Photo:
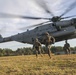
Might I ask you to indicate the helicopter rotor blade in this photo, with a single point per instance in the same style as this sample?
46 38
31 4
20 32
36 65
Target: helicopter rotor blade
71 7
43 4
5 15
40 24
68 17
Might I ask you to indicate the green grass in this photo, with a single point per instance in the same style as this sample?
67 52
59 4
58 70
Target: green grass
30 65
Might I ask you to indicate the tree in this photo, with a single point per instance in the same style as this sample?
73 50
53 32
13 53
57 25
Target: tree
8 52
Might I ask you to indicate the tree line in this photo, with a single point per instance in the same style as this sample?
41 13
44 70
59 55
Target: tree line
28 51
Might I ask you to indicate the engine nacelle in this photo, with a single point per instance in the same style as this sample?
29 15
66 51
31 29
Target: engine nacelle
64 23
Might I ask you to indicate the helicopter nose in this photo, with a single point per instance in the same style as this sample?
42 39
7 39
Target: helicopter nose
1 38
74 22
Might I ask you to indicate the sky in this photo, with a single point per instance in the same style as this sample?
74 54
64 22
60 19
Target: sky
11 26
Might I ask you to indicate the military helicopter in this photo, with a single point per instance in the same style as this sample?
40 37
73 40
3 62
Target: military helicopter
57 27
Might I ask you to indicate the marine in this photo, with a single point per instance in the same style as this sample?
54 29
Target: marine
67 47
48 40
37 47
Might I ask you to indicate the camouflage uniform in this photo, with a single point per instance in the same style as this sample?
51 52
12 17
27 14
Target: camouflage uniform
48 40
37 47
66 48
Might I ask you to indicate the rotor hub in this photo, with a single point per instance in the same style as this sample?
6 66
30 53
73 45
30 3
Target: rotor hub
56 18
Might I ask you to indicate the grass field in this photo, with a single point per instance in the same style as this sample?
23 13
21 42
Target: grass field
30 65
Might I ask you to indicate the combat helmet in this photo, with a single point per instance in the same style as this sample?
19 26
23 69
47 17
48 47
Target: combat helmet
36 39
46 33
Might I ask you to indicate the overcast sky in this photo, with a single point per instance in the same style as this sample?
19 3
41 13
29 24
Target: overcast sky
11 26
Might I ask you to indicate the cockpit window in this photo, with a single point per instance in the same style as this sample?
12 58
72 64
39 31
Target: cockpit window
36 27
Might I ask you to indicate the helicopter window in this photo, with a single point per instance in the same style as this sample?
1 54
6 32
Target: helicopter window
18 33
27 30
36 28
53 24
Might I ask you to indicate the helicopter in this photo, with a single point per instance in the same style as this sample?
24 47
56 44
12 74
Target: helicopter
56 26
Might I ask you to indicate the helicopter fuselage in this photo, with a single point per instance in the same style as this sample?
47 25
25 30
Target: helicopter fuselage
61 30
